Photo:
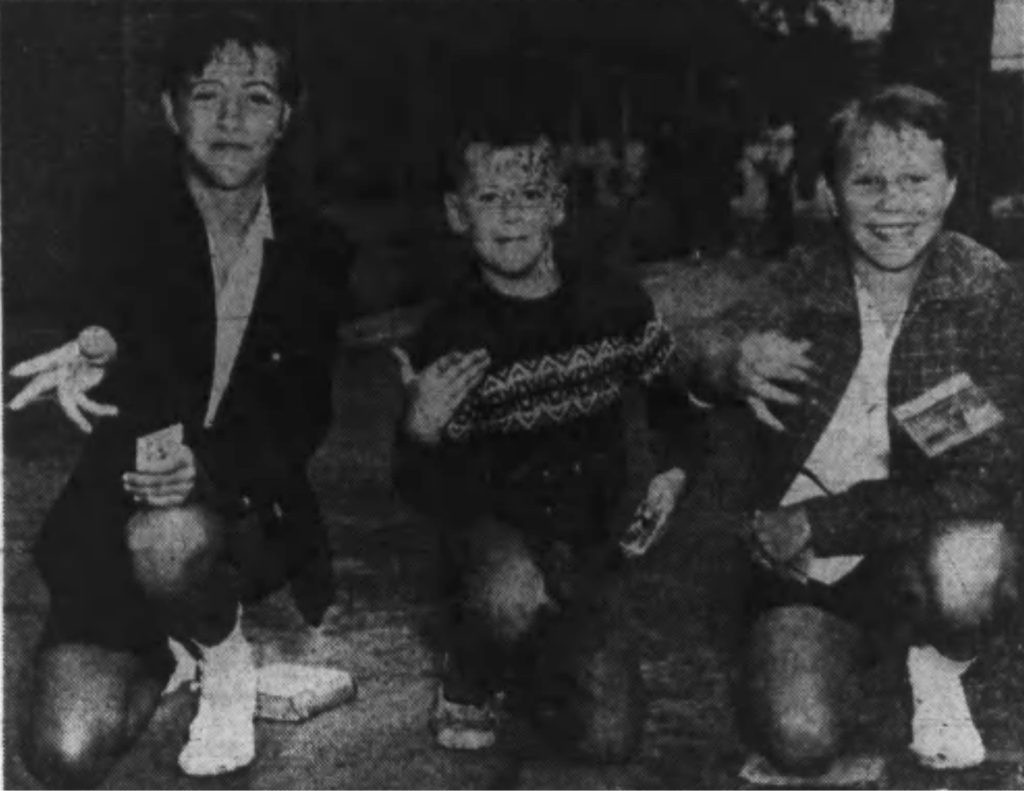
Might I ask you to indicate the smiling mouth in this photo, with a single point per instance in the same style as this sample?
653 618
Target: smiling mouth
228 146
509 239
892 229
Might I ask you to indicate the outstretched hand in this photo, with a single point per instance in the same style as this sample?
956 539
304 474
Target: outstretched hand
765 363
69 372
435 393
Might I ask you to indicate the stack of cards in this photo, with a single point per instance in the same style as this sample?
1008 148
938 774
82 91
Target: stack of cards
152 450
290 692
643 532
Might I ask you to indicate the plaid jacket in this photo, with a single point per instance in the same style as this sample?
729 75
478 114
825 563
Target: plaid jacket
966 314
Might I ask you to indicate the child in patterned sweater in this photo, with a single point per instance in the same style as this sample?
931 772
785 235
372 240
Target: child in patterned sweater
513 441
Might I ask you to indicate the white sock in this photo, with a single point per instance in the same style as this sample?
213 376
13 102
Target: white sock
944 733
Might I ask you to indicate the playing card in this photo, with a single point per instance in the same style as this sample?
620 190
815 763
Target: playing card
642 533
153 449
289 692
951 413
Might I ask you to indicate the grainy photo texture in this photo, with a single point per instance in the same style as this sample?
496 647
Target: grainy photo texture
513 394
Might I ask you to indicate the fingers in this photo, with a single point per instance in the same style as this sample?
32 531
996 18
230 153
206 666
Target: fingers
139 481
48 361
164 501
166 482
772 356
765 390
764 414
451 378
35 389
69 405
467 377
96 408
405 369
454 368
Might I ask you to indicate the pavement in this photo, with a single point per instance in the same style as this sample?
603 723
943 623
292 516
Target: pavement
379 631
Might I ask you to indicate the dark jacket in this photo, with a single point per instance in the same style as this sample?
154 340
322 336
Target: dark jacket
146 267
965 315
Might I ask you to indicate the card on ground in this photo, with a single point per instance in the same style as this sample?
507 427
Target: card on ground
289 692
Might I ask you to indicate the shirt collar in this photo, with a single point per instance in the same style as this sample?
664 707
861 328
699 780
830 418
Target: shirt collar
262 226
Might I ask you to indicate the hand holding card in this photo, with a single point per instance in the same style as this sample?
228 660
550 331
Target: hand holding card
165 469
152 450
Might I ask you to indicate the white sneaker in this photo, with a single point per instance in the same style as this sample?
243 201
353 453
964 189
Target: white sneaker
463 726
222 737
186 668
945 736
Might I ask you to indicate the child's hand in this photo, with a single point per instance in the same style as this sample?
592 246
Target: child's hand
437 391
663 492
68 373
781 540
166 483
651 518
767 361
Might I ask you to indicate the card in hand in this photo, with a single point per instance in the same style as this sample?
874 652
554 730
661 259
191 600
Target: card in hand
152 450
643 532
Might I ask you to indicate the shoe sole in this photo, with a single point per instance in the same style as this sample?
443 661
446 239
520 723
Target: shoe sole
465 741
219 773
942 765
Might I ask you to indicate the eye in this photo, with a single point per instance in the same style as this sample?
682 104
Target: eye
534 194
261 98
204 94
914 179
487 197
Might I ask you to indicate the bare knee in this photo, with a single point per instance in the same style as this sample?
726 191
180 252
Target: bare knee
73 752
799 676
509 597
171 547
803 736
969 571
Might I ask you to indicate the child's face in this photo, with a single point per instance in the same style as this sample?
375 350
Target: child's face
231 117
891 195
508 207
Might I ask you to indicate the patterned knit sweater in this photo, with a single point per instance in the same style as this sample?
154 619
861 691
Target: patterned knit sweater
540 442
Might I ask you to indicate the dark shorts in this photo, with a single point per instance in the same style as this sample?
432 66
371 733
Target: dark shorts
884 596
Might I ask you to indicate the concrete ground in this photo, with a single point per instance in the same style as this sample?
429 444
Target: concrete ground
377 630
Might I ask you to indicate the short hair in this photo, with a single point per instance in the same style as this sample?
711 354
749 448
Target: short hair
895 107
457 169
197 36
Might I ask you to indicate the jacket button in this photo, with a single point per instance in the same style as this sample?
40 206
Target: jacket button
245 501
275 357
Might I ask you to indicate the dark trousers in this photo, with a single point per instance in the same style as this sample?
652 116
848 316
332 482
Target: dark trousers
547 624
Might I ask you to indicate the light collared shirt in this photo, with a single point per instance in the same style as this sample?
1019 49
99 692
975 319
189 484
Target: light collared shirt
235 299
855 445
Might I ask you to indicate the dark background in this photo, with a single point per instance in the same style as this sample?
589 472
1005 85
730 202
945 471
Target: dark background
389 81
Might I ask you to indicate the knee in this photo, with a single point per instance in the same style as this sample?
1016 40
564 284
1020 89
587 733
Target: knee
71 755
803 737
969 570
798 683
613 733
510 599
170 547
